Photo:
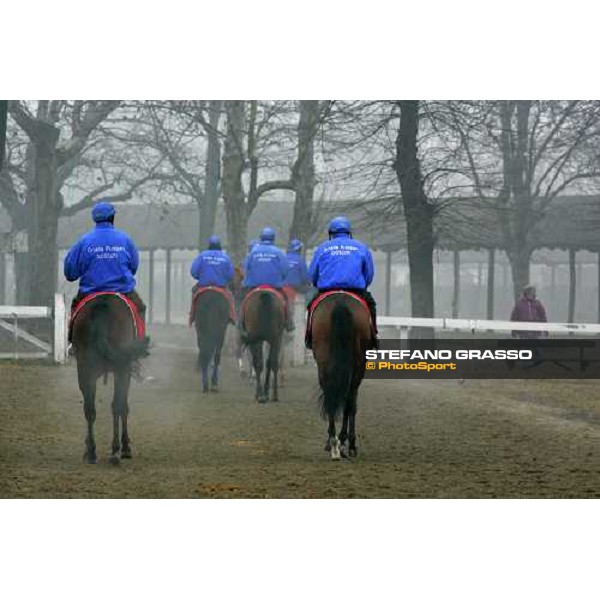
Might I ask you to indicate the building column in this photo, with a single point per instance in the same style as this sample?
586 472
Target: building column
2 278
388 282
456 289
572 285
168 288
151 287
490 283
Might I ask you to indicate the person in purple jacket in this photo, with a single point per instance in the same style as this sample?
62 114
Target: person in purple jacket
529 309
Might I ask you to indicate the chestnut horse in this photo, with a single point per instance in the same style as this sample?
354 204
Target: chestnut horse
104 340
341 332
263 318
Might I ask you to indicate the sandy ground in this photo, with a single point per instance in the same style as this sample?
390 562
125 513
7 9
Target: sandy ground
417 439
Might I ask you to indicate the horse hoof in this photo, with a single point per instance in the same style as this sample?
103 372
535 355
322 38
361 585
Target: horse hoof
90 459
214 388
205 390
352 452
335 454
114 459
126 453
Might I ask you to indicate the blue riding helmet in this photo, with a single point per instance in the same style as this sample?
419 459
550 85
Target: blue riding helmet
102 211
339 225
295 246
214 242
252 244
267 235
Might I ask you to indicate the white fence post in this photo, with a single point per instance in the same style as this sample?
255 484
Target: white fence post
60 329
298 350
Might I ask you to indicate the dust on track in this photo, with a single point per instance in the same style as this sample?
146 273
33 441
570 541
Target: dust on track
417 439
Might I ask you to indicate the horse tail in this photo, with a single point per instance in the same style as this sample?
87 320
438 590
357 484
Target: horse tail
99 326
266 310
339 371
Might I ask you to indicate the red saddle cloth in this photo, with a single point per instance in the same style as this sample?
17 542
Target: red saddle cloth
317 300
264 288
223 291
138 322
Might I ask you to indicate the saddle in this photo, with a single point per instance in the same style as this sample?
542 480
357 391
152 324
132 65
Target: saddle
223 291
138 322
320 297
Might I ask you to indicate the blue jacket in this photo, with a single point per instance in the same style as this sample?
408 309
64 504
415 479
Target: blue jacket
265 265
212 267
297 276
343 263
104 260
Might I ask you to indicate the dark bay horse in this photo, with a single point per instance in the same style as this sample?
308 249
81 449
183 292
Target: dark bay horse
104 340
211 317
341 332
264 320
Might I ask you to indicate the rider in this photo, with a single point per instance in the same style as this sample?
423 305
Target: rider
297 280
266 264
104 260
212 266
343 263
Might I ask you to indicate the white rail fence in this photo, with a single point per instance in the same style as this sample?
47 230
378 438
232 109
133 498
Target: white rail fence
9 321
404 324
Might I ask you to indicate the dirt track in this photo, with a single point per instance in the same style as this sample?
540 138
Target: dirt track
416 439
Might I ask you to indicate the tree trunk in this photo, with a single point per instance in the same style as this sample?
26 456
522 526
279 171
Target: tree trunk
519 264
304 172
418 213
3 119
212 175
233 190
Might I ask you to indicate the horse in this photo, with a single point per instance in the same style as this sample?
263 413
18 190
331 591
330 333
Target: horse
264 319
104 340
341 332
211 317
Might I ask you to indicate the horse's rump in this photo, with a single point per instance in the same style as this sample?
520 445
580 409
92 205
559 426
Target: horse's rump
105 326
263 314
212 291
333 294
138 322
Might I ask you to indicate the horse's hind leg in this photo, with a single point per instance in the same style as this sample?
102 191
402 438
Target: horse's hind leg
87 385
273 366
120 409
352 450
333 443
214 376
257 360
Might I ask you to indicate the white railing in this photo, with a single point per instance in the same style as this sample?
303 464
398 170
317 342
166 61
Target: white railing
9 321
403 324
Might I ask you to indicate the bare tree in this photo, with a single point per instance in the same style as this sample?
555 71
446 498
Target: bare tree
519 156
418 211
61 152
253 131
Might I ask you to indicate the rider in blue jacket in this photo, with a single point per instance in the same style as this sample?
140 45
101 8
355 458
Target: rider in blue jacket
343 263
266 264
297 277
212 266
104 260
